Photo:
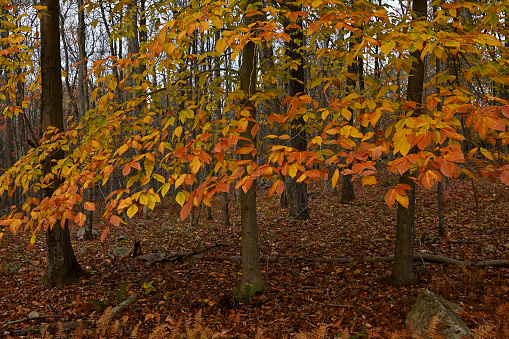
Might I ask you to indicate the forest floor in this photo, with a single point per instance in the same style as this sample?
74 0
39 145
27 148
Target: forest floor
301 296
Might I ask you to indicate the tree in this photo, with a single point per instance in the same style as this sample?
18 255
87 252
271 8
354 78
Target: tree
251 270
402 272
63 268
296 192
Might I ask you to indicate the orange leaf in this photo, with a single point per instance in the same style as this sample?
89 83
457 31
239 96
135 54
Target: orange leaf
115 220
428 178
504 177
184 212
80 218
390 197
447 168
89 206
105 233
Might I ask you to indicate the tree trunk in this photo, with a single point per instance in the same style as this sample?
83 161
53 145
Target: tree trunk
347 191
83 104
296 193
63 268
225 214
251 270
442 230
403 272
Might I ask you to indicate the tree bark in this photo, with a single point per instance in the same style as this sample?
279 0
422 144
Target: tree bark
63 268
251 270
297 196
403 272
83 104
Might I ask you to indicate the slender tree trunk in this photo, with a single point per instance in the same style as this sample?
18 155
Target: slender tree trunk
225 214
403 272
251 270
83 104
347 191
296 193
63 268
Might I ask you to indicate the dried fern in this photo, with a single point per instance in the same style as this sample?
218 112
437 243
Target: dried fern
102 323
60 331
114 330
484 331
134 332
431 328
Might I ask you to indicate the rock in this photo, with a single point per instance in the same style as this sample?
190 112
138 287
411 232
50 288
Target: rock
166 229
81 232
429 238
83 250
122 237
449 323
380 239
152 257
489 248
34 314
120 252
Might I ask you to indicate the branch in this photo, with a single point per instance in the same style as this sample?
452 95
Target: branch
19 321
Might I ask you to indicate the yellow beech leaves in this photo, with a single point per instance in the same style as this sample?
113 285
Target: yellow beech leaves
179 127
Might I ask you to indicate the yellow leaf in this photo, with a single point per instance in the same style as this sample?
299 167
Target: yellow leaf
335 177
402 199
220 46
132 210
195 165
181 198
369 180
387 47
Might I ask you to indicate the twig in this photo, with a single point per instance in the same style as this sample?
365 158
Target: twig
19 321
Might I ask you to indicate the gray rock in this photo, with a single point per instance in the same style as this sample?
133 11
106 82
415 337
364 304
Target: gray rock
429 238
380 239
83 250
489 248
166 229
449 324
120 252
122 237
152 257
81 232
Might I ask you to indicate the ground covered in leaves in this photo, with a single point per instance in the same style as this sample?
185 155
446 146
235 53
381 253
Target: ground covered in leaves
301 296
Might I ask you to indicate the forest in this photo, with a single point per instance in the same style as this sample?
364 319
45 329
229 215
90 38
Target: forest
254 169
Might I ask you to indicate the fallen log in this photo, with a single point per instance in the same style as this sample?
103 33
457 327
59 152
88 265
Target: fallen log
432 258
120 307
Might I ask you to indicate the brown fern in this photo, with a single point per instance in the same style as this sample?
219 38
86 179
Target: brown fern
431 328
102 323
134 332
484 331
60 331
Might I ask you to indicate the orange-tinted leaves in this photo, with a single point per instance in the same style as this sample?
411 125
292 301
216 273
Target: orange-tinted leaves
80 218
397 194
428 178
504 177
105 233
89 206
115 220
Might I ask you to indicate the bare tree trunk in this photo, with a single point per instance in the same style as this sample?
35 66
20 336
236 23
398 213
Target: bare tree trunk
63 268
296 193
225 214
403 272
83 104
251 270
